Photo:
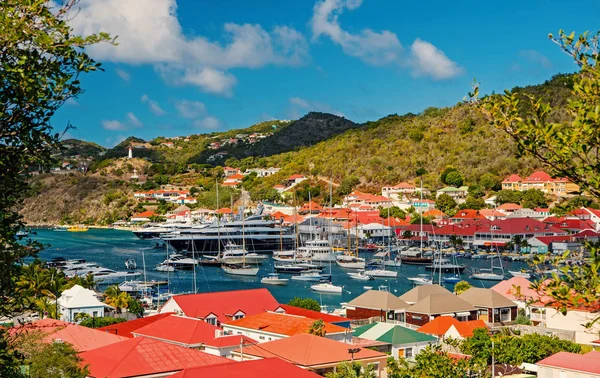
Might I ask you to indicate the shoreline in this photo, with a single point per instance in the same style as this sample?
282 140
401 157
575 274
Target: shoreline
100 227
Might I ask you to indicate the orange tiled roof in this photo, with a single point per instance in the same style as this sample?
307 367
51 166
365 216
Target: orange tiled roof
281 324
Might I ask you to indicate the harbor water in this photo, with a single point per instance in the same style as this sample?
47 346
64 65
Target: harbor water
111 248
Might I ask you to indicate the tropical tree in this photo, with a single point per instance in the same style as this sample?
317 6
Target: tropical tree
352 370
317 328
307 303
445 203
407 234
86 281
461 287
431 362
33 281
454 178
116 298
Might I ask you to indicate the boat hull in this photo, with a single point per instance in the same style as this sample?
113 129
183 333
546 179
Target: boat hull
416 260
487 277
273 281
330 289
235 271
446 269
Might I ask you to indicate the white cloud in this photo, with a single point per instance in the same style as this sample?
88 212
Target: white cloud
124 75
153 105
428 60
299 102
134 120
149 33
379 48
190 109
71 102
113 124
209 122
536 58
208 79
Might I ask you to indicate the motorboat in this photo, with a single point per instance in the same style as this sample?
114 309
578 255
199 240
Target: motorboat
288 268
274 279
108 276
350 262
383 273
78 229
284 255
326 287
393 263
421 279
445 266
360 276
240 269
486 275
451 279
523 274
313 276
415 256
130 264
179 261
164 268
22 233
319 250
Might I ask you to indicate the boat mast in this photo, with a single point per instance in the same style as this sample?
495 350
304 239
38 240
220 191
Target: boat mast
421 218
310 214
330 210
218 222
194 264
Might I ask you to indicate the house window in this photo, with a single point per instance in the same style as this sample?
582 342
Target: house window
212 321
261 337
505 314
408 352
95 314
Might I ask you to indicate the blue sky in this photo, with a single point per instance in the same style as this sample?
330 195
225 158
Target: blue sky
196 66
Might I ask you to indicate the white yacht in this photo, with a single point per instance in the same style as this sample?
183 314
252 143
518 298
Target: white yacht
308 276
326 287
421 279
180 262
383 273
360 276
518 273
164 268
108 276
274 279
486 275
236 254
350 262
319 250
240 269
445 266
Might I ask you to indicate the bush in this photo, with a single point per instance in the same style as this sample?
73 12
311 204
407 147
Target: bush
307 303
100 322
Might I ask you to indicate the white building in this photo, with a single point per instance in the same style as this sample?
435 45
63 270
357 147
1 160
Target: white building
78 300
372 231
264 172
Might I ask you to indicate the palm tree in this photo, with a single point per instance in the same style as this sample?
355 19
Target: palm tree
352 370
116 298
33 281
317 328
86 281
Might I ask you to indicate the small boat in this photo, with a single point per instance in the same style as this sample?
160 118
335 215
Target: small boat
350 262
60 229
130 264
308 276
367 287
415 257
22 233
164 268
274 279
240 269
107 276
382 273
180 262
486 275
395 263
236 254
452 279
445 266
289 268
421 279
360 276
326 287
550 272
78 229
523 274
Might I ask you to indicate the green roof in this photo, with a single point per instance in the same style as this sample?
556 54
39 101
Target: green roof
392 334
453 189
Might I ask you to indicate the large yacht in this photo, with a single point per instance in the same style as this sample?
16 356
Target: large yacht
319 250
255 232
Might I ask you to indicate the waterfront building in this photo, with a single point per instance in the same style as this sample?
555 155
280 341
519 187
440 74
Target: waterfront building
377 303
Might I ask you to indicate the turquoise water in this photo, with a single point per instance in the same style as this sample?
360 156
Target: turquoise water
111 248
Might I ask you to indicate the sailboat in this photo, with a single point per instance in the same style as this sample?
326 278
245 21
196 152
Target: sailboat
420 279
274 279
351 260
487 274
381 271
361 276
327 286
241 269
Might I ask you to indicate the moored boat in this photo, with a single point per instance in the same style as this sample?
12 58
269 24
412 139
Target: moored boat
326 287
274 279
360 276
421 279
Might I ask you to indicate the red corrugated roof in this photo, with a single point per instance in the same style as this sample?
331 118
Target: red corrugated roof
179 329
144 214
265 368
585 363
81 338
281 324
512 179
309 350
124 329
144 356
229 341
509 206
226 303
292 310
467 214
294 177
539 176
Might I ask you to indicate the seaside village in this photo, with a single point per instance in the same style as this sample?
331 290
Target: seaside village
248 333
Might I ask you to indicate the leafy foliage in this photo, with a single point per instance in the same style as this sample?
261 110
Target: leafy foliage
352 370
317 328
307 303
461 287
445 203
431 362
100 322
454 178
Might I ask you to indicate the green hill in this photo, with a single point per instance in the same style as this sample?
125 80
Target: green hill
73 147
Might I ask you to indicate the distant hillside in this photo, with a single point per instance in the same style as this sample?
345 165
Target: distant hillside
305 132
73 147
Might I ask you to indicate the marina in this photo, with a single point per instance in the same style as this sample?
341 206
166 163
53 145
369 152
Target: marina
110 249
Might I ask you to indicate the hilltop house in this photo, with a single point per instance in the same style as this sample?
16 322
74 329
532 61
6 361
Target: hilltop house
79 300
228 171
404 341
540 180
457 194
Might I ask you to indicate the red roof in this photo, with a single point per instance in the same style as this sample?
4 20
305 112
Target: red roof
292 310
266 368
236 176
467 214
145 214
224 210
553 239
509 206
278 215
144 356
539 176
81 338
440 325
309 350
508 289
295 177
179 329
491 213
124 329
585 363
434 213
281 324
586 234
515 226
512 179
230 341
226 303
310 206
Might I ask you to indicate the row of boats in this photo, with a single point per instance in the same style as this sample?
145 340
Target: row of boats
81 268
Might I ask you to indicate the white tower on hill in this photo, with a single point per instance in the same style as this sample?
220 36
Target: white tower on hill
130 152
